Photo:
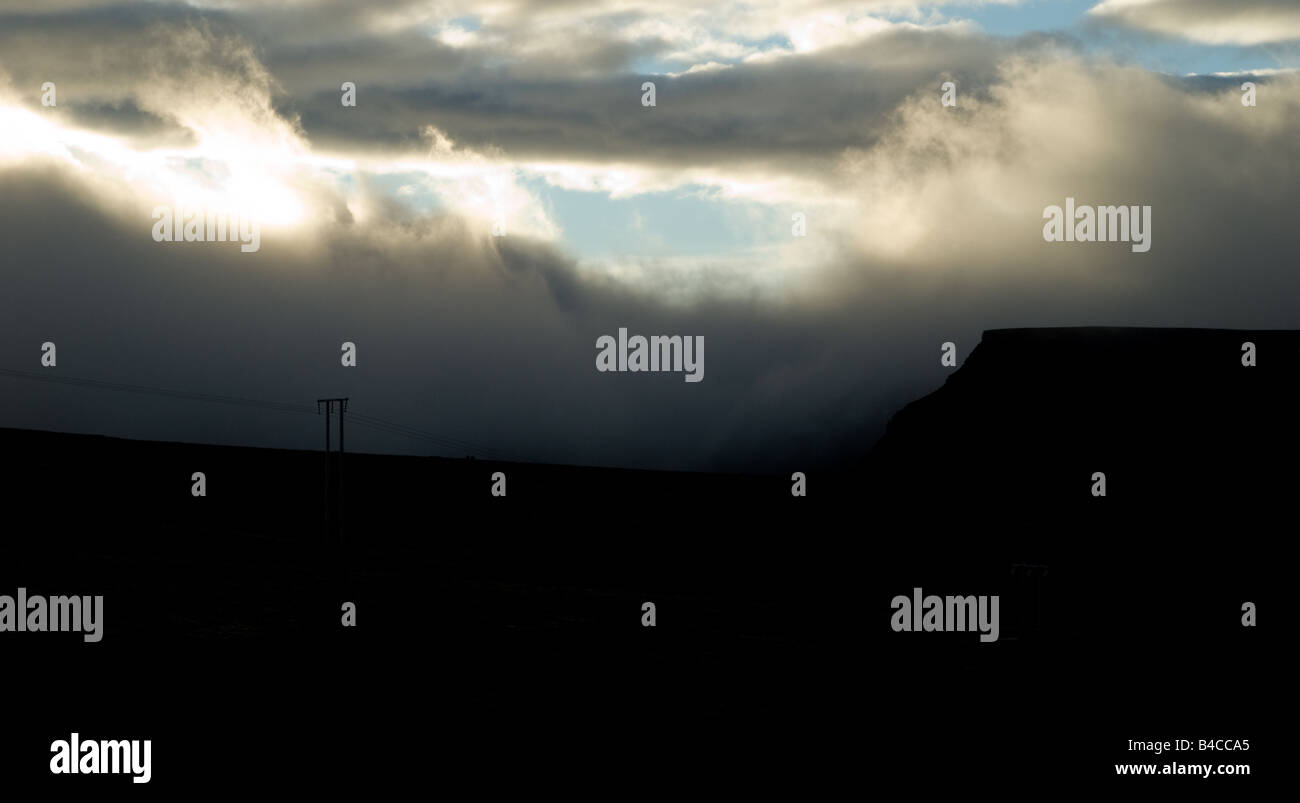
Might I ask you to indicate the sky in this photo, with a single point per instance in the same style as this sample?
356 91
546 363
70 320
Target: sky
501 196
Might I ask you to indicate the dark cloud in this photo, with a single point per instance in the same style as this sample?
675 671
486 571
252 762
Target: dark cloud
581 101
495 344
757 112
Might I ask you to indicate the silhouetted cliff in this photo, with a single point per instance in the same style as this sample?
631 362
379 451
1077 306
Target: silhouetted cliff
1169 416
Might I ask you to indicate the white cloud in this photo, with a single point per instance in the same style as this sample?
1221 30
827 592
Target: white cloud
1240 22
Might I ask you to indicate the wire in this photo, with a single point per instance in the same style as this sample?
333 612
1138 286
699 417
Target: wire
369 421
286 407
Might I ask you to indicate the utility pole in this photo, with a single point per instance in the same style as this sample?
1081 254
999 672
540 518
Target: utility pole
326 533
333 500
336 565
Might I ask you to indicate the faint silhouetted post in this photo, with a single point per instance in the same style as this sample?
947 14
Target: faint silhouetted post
343 408
328 495
333 497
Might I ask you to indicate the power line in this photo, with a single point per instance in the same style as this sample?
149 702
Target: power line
371 422
286 407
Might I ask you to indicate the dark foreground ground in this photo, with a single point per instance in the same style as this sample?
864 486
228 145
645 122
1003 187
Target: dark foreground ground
500 639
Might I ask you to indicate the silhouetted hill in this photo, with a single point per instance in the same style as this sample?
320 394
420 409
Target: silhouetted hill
991 471
768 605
1171 416
598 530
